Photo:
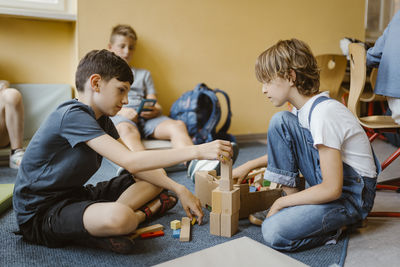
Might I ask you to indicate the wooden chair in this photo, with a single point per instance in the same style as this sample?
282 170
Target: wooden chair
332 71
378 123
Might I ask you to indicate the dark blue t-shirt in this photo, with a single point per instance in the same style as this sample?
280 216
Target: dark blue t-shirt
57 162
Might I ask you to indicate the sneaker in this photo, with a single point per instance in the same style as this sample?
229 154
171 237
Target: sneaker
117 244
201 165
334 239
258 217
209 165
16 158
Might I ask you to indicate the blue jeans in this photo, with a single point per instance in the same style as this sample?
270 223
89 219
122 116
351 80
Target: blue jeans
290 151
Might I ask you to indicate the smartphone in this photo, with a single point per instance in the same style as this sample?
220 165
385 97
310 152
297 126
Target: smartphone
144 104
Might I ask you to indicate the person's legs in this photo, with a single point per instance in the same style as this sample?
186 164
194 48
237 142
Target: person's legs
11 118
174 130
394 105
305 226
290 151
130 134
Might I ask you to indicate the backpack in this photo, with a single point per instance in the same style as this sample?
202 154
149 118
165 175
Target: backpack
200 110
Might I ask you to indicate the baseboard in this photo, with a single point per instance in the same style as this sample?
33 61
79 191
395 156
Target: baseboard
241 138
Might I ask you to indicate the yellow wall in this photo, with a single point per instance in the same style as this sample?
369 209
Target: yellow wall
182 42
36 51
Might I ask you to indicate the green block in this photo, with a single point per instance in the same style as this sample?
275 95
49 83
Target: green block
6 193
266 183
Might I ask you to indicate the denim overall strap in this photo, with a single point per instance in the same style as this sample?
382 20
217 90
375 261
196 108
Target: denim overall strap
316 102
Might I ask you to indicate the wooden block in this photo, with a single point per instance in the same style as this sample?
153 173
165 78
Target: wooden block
206 181
225 185
230 201
176 233
255 172
152 234
148 229
175 224
229 224
215 223
216 200
6 193
226 201
185 230
226 170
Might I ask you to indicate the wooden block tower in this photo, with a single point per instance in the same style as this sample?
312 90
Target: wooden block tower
224 218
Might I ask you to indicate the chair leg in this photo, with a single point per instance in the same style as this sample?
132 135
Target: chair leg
384 214
390 159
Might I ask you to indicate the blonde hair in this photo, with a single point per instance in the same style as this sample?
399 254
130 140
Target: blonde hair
283 57
124 30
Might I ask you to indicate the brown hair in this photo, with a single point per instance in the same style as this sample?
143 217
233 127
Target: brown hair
105 63
124 30
287 55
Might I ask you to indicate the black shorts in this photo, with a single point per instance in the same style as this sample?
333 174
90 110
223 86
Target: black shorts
62 223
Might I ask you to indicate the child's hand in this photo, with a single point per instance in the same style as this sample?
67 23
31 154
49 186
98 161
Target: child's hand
275 207
216 150
151 113
129 113
4 84
190 204
240 173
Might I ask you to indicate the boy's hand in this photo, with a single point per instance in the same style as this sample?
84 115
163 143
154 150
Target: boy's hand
275 207
190 204
151 113
240 173
129 113
216 150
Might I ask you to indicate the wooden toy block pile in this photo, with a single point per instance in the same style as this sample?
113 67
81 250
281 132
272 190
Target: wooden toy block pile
224 217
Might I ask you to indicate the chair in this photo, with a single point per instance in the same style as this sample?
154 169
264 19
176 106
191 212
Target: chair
378 123
332 71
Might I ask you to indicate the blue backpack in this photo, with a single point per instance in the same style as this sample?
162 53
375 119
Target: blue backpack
200 110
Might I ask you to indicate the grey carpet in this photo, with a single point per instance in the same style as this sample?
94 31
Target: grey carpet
15 252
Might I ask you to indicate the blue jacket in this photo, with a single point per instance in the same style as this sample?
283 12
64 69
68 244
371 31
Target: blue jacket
386 55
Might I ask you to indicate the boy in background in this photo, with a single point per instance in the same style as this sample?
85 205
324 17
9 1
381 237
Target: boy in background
11 122
52 205
385 54
322 140
130 125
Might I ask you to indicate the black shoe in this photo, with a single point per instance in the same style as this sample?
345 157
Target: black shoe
117 244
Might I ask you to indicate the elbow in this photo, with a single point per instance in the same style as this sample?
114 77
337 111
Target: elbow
334 194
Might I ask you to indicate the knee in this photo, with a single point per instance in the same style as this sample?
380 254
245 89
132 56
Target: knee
280 119
177 126
127 129
12 97
121 219
273 235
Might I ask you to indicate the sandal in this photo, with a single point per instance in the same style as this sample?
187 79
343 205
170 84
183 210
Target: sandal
166 204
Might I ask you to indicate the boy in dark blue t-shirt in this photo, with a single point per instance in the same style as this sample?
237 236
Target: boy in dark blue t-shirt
52 205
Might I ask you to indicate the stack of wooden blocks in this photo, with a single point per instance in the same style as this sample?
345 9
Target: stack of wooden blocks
224 218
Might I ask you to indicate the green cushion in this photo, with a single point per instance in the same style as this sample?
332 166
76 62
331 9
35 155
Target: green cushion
6 192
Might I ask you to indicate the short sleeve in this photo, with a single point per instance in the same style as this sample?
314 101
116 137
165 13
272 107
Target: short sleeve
326 126
78 126
148 80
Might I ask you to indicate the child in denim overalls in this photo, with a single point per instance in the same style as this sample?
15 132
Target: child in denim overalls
320 139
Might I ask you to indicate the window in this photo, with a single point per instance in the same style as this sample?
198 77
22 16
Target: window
47 9
378 14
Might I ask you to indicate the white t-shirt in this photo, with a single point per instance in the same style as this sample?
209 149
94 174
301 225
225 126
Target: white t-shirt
333 125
